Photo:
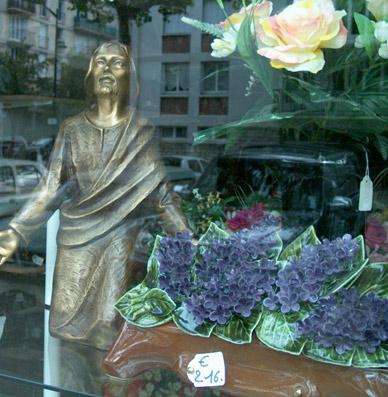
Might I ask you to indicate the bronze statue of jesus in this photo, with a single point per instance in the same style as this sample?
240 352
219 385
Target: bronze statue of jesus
103 171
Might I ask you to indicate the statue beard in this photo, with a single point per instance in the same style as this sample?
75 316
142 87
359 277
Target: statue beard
107 85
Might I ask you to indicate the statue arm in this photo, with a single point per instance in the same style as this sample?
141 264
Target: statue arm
168 205
47 196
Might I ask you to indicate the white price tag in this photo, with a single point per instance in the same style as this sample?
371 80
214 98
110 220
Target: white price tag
365 201
207 369
2 324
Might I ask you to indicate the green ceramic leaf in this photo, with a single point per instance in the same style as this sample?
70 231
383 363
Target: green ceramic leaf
238 330
186 322
366 29
276 249
247 48
294 249
374 278
213 232
350 274
277 330
146 307
152 277
379 359
317 353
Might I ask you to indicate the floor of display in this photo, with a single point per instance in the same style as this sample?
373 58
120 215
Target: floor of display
34 364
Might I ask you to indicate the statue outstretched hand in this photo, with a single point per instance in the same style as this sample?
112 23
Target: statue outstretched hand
9 241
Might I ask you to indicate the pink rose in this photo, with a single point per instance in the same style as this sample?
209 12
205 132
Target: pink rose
375 234
294 38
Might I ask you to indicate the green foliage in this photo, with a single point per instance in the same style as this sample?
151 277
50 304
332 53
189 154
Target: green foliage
293 250
202 210
186 322
278 331
138 11
146 307
366 29
239 330
210 28
22 74
247 48
71 84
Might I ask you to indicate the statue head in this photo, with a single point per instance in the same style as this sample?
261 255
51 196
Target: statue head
109 71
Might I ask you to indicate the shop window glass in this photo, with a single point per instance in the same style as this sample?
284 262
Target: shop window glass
262 139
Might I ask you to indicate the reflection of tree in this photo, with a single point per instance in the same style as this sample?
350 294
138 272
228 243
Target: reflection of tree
22 73
137 11
71 84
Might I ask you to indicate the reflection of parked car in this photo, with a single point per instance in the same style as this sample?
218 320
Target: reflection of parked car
40 150
18 178
15 147
195 164
180 179
314 184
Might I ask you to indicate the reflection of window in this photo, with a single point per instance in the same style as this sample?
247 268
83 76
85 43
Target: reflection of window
27 177
61 13
213 105
173 132
7 183
176 77
215 76
17 27
43 59
174 24
43 36
43 9
176 43
174 105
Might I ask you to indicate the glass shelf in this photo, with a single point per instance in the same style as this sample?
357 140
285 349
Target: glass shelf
34 364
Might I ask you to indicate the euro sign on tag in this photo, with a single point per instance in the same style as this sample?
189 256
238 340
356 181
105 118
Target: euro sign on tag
365 201
207 370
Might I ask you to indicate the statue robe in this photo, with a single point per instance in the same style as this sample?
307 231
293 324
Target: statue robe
101 179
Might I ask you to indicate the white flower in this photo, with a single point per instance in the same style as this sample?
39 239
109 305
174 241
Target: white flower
381 31
358 42
225 46
383 50
379 8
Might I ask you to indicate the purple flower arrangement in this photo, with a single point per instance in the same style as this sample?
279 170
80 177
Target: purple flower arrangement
347 320
175 256
233 284
228 277
302 279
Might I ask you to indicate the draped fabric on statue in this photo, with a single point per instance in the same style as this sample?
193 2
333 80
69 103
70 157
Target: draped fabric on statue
102 179
106 172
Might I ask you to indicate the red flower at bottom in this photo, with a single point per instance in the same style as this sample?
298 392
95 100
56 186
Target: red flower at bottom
247 217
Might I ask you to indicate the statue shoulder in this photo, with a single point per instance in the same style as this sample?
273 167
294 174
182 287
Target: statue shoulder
69 123
143 123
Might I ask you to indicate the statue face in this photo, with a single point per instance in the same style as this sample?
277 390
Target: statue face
110 72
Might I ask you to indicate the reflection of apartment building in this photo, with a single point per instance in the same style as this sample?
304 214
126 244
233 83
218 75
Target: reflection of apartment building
22 22
183 89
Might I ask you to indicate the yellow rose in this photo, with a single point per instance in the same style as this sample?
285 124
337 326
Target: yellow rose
222 47
294 38
260 10
379 8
